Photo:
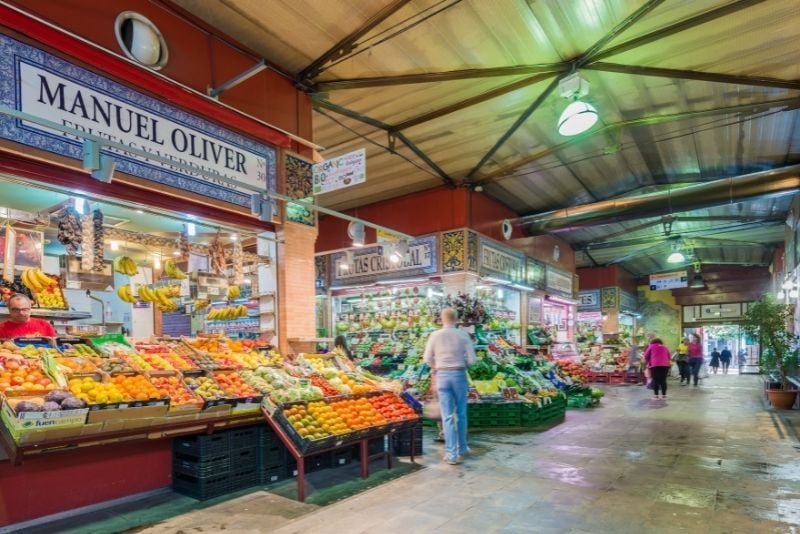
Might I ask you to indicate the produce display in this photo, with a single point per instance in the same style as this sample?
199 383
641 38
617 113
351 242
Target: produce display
54 401
205 387
113 366
233 385
173 387
18 374
9 348
92 390
77 349
73 366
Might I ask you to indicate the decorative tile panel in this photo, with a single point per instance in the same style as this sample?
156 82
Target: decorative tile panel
453 252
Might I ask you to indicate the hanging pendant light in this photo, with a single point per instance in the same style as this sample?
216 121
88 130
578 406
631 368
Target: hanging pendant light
577 118
676 257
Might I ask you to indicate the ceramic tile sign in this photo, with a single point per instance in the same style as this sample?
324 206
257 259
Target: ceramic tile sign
670 280
50 88
559 281
370 264
589 299
337 173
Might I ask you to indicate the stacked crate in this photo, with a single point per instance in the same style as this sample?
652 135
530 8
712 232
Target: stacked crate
402 444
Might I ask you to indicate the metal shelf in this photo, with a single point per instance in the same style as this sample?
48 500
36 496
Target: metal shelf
58 315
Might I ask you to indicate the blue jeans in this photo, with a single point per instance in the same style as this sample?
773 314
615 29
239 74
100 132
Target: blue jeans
695 365
452 388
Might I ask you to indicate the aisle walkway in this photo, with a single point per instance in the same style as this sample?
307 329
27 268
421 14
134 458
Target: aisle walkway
709 459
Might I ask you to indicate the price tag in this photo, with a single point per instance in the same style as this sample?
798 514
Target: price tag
212 290
401 366
73 284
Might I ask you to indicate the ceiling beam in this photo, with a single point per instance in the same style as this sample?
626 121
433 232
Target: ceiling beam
387 128
472 101
678 27
435 77
575 64
630 20
514 127
659 72
347 44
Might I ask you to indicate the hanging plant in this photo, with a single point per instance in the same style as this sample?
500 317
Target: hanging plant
99 243
70 230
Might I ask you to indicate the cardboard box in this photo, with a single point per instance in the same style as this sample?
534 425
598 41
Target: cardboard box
138 412
25 421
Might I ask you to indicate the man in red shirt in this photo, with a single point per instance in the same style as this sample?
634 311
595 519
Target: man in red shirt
21 324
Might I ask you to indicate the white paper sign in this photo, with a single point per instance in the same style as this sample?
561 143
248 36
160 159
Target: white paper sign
337 173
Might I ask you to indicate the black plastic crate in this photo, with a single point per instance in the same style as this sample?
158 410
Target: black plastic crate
405 435
341 457
244 458
376 445
202 445
313 463
266 436
244 478
201 488
209 466
272 474
243 438
404 448
272 456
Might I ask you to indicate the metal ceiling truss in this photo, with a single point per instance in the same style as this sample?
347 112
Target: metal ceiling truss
348 43
389 130
590 59
435 77
787 103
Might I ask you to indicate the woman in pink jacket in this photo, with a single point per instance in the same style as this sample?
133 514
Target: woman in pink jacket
658 361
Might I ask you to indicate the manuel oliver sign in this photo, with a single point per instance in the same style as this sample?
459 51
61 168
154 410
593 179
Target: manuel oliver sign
48 87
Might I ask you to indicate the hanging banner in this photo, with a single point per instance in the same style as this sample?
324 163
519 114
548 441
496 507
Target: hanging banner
337 173
671 280
370 264
501 262
48 87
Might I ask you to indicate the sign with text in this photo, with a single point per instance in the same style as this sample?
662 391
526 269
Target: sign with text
501 262
589 299
559 281
48 87
337 173
534 273
370 264
671 280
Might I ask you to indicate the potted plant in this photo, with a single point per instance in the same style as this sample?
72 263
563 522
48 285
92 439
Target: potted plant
768 321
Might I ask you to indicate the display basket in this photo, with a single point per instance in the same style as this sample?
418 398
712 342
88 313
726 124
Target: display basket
38 342
304 445
581 401
75 346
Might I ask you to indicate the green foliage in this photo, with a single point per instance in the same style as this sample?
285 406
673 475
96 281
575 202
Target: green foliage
768 321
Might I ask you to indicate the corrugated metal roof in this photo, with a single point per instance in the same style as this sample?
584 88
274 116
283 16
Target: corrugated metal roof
666 114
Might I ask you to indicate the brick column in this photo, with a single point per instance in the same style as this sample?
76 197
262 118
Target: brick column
296 273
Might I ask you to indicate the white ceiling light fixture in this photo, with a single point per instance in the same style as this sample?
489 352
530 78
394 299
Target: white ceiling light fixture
676 257
357 233
578 116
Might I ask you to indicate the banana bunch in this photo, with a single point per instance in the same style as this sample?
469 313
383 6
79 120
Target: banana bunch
227 313
158 296
35 280
201 304
234 292
172 270
126 294
125 265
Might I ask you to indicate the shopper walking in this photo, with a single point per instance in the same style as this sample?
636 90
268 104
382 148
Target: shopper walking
682 359
658 361
695 357
449 352
714 364
725 359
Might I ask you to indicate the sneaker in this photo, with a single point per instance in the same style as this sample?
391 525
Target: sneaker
655 397
451 461
464 455
663 397
440 437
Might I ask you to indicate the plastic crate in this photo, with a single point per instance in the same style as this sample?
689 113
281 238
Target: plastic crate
266 437
376 446
208 467
272 456
244 458
581 401
341 457
201 488
243 438
244 477
272 475
202 445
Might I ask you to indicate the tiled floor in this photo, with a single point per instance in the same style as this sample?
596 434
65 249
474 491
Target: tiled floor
710 459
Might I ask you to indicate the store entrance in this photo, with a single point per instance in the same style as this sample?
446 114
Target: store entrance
744 350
